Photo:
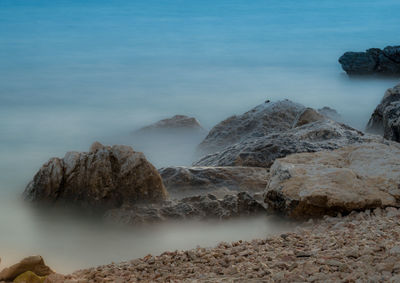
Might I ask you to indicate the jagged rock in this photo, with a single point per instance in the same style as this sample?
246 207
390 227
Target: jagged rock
386 118
373 61
330 113
262 120
196 207
216 180
262 151
106 177
308 116
34 264
329 182
175 122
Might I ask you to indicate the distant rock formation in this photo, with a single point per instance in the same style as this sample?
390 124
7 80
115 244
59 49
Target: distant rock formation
106 177
373 61
181 122
264 119
189 181
386 118
329 182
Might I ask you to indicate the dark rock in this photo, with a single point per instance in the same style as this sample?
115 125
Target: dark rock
175 122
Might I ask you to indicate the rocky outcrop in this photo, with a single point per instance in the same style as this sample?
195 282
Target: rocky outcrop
373 61
33 264
308 116
176 122
185 181
262 151
386 118
262 120
330 182
330 113
197 207
106 177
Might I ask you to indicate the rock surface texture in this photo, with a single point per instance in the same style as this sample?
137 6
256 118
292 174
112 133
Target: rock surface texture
216 180
330 182
33 264
105 177
196 207
262 120
361 247
262 151
175 122
373 61
386 118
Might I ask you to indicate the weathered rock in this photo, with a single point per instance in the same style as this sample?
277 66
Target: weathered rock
373 61
330 182
330 113
386 118
105 177
33 264
175 122
308 116
262 120
196 207
29 277
216 180
262 151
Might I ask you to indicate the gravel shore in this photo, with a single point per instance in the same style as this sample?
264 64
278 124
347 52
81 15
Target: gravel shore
360 247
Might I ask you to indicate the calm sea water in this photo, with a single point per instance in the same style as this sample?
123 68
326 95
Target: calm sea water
72 72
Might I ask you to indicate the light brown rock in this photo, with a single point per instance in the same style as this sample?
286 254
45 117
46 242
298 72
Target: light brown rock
34 264
309 115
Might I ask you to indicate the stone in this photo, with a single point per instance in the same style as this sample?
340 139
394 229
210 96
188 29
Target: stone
175 122
33 264
330 113
264 119
308 115
106 177
216 180
29 277
356 177
372 61
262 151
385 120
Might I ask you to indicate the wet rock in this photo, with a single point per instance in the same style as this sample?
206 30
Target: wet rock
386 118
217 180
105 177
262 151
351 178
175 122
33 264
262 120
196 207
373 61
308 116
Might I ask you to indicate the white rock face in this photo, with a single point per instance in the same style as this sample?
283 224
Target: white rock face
105 177
264 119
340 181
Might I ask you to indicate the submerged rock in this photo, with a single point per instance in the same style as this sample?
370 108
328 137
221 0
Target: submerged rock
373 61
216 180
196 207
176 122
106 177
262 151
386 118
33 264
329 182
262 120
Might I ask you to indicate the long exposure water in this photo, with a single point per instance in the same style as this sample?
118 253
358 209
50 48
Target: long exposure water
72 72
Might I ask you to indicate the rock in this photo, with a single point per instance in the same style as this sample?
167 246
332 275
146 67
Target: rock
204 180
386 118
373 61
329 182
330 113
33 264
262 120
175 122
105 177
262 151
29 277
196 207
308 116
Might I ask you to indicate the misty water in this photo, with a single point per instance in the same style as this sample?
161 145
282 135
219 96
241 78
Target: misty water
72 72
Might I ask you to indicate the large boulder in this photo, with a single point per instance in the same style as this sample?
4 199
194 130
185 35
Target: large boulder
262 120
195 207
185 181
385 120
329 182
105 177
262 151
33 264
373 61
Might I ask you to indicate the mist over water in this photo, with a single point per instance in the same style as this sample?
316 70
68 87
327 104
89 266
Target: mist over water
72 73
